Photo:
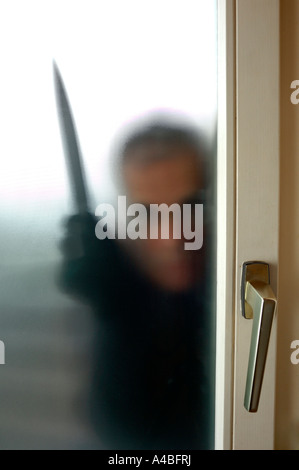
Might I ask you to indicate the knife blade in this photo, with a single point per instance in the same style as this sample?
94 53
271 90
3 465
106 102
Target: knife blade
71 145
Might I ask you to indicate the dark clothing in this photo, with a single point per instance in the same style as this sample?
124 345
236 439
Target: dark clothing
151 384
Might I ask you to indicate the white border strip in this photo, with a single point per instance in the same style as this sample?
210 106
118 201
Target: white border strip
225 224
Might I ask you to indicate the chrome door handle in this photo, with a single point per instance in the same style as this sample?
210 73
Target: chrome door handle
258 303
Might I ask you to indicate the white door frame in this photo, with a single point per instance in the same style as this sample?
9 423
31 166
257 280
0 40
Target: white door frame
247 206
225 223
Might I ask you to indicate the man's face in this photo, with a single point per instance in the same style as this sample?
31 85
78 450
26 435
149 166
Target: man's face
175 177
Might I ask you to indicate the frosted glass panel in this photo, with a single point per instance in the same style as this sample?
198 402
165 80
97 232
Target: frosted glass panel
126 65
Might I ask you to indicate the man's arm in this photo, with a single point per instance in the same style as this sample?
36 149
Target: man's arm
83 259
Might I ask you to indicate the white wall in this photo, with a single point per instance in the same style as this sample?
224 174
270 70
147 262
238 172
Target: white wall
287 395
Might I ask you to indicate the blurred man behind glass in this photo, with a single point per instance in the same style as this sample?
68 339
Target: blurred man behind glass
151 297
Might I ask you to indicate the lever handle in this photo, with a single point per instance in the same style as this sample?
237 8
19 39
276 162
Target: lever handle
258 303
